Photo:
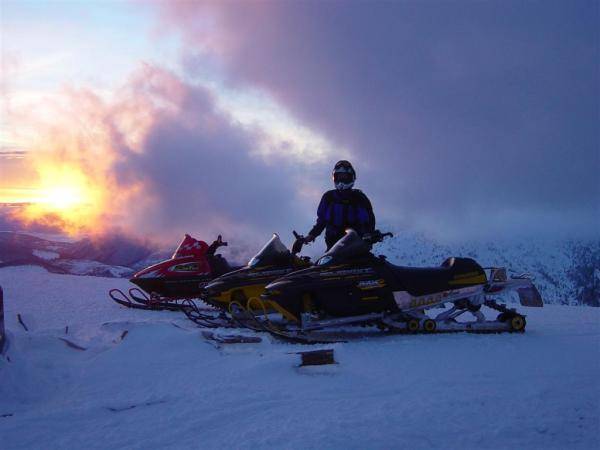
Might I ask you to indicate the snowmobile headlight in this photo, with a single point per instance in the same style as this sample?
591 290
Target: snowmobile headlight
324 260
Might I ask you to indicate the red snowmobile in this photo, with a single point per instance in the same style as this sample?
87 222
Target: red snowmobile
168 284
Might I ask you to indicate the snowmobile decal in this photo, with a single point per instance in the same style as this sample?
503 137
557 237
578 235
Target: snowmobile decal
189 267
371 284
406 301
342 273
269 273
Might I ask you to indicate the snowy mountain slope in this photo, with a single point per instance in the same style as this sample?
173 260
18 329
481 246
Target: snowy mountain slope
116 250
17 249
162 386
566 272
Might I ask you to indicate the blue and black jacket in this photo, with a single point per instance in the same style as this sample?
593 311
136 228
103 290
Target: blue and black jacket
341 209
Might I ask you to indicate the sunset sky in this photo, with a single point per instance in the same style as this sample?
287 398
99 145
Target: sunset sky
462 118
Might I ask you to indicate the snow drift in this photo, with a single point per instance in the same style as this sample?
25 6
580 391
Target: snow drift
149 380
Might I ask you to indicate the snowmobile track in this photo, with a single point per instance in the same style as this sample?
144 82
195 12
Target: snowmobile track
245 318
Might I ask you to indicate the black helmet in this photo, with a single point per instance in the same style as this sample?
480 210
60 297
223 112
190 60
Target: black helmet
343 175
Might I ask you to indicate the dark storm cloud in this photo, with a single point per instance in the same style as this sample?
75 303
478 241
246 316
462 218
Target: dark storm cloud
485 110
199 171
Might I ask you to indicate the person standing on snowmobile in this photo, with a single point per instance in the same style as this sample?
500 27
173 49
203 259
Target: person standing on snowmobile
342 208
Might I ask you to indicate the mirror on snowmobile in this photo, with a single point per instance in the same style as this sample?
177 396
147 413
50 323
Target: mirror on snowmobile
216 244
376 236
298 243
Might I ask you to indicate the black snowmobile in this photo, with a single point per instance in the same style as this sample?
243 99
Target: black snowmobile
244 286
350 285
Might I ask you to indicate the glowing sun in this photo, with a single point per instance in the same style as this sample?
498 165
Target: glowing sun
66 194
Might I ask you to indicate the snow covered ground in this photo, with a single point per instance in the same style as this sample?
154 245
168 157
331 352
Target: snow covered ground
164 386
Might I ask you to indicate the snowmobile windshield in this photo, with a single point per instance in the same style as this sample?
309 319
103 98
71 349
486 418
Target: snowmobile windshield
274 252
350 246
190 247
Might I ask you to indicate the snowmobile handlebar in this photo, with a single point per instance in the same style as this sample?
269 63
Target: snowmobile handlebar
298 243
216 244
376 236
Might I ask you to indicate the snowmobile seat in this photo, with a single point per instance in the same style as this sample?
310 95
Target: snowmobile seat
454 273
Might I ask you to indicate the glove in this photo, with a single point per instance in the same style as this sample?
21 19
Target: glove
308 239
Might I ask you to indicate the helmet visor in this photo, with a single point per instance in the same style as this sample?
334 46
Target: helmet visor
343 177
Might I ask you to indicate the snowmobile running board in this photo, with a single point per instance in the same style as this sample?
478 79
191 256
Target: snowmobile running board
309 324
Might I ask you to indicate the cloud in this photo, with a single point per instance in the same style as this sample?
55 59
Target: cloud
168 161
450 110
198 170
12 154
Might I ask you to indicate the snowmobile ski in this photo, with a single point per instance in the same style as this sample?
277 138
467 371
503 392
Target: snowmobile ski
206 319
139 300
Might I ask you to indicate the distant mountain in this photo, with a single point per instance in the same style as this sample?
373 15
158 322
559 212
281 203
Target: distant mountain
109 257
115 250
566 272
